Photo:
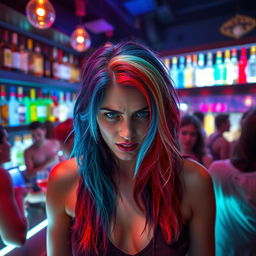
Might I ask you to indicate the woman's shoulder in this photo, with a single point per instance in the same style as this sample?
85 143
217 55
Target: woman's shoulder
64 175
195 176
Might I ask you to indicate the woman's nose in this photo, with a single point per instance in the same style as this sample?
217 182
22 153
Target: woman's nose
126 130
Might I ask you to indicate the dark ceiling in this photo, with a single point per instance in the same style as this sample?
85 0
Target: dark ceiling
161 24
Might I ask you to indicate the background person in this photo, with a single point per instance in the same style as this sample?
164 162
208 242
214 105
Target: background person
42 155
217 145
200 116
235 189
128 190
13 223
191 140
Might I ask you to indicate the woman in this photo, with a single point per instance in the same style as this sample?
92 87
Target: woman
235 190
13 224
191 140
128 191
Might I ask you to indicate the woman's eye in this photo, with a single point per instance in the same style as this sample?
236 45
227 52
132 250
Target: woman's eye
143 114
111 115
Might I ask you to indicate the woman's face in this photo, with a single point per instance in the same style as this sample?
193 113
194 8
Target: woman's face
123 121
5 147
187 138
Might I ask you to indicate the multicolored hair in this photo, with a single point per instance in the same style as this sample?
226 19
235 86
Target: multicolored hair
158 168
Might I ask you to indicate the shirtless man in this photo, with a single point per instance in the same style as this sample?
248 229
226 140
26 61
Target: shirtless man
218 146
43 154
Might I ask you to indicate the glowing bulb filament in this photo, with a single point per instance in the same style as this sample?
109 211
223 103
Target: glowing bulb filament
80 39
40 12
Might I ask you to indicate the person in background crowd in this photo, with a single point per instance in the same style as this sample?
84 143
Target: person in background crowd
128 191
218 146
235 190
42 155
49 127
234 142
13 223
63 132
191 140
200 116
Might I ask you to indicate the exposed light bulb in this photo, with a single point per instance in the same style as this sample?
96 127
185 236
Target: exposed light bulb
40 13
80 39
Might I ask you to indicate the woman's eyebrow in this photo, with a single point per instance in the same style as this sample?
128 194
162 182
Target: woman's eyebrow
119 112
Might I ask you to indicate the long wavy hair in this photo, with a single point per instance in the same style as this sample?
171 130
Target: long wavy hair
244 155
198 148
158 166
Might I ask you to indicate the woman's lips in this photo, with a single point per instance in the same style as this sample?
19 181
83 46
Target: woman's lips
127 147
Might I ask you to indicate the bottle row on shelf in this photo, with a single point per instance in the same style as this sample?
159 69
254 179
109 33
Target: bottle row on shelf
20 144
26 105
24 55
199 70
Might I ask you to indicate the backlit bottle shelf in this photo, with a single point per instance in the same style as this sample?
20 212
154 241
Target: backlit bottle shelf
15 78
218 90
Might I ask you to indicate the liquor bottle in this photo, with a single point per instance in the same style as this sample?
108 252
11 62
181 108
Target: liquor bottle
181 72
21 107
50 107
6 53
38 62
66 69
30 57
55 64
55 106
63 108
188 73
242 66
4 111
13 105
41 107
15 53
26 101
219 69
200 77
32 106
229 69
27 141
77 70
69 105
72 69
47 62
167 63
17 151
61 67
174 72
251 66
23 57
209 71
73 101
234 62
194 68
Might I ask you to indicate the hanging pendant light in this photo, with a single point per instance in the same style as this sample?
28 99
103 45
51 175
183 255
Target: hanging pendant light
80 39
40 13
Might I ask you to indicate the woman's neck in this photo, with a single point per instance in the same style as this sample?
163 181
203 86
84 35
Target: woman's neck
187 152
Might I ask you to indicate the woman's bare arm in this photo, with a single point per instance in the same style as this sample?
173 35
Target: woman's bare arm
60 185
199 190
13 224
